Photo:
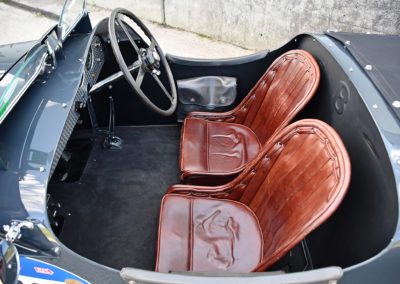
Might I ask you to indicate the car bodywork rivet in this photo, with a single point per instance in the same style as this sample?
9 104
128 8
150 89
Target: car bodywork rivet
41 169
57 250
375 106
351 69
368 67
64 105
396 104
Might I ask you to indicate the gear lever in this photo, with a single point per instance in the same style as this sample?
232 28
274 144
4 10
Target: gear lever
112 141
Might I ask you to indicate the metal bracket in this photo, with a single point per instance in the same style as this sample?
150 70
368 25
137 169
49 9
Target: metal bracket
54 48
13 232
92 116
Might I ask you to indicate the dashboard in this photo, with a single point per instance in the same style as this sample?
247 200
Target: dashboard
93 64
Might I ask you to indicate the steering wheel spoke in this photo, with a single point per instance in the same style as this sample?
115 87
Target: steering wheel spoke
140 76
166 93
122 25
135 66
152 45
149 60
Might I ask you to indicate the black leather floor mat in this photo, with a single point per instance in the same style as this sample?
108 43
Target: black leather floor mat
111 213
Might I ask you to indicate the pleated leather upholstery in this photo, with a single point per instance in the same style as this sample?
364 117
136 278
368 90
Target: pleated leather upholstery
284 89
207 234
295 183
215 147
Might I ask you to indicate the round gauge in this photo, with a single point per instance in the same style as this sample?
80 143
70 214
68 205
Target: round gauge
89 59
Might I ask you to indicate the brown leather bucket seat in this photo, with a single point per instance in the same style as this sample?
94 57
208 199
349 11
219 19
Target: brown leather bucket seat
295 183
215 147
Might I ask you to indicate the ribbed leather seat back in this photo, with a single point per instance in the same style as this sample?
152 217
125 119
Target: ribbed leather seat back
295 184
284 89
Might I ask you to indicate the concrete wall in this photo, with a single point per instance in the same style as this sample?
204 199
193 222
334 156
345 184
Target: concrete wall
147 9
261 24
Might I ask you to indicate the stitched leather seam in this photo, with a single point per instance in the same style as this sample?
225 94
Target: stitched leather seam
293 97
298 190
273 68
287 173
183 131
159 234
207 148
191 238
281 177
306 95
299 205
268 78
245 106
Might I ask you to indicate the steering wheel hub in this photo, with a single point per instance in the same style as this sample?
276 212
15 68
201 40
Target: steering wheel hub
150 60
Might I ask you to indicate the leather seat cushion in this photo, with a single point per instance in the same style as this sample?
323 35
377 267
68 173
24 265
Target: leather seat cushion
204 234
217 147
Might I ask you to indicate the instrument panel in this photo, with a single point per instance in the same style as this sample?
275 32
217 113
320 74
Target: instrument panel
93 63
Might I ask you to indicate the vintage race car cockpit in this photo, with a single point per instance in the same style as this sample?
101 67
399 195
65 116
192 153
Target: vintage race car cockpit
118 162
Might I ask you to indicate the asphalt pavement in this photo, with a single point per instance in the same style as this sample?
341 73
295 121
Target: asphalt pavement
32 20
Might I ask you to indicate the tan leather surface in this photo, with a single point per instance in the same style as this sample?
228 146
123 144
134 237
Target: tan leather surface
216 146
284 89
297 180
203 234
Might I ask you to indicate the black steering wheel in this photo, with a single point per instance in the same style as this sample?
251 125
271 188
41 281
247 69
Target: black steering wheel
150 60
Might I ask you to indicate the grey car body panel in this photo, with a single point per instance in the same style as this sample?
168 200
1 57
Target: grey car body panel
324 275
217 62
29 152
28 149
389 128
